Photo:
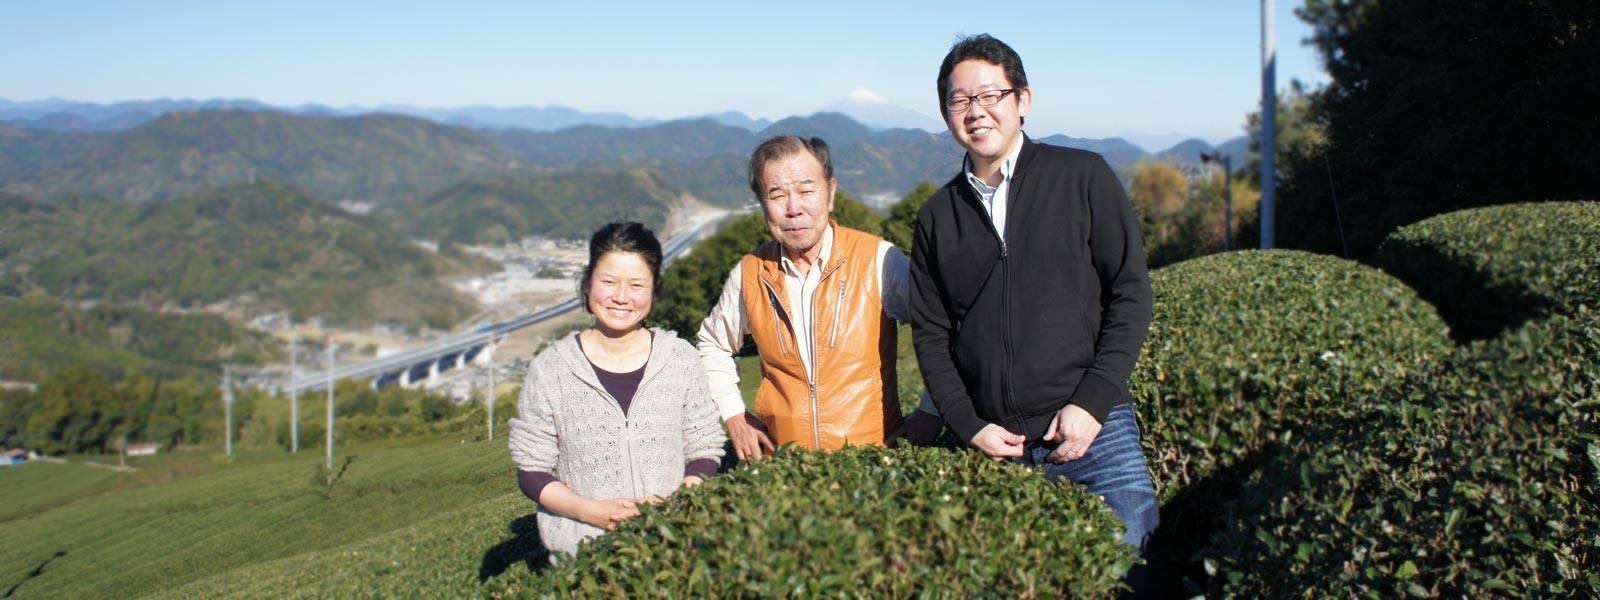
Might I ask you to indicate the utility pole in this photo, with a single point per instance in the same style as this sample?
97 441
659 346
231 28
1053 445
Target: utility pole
329 443
294 396
1269 126
491 400
227 404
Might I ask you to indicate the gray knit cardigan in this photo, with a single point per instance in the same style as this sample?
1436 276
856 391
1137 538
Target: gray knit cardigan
569 426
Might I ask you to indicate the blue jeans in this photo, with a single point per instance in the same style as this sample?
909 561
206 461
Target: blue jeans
1114 469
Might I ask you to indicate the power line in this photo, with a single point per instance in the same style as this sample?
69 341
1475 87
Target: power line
1337 219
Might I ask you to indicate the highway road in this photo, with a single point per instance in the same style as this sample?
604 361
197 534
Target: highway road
480 336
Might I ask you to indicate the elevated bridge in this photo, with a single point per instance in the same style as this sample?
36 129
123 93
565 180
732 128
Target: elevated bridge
457 350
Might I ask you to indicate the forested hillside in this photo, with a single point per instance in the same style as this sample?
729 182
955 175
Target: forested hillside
265 245
39 335
565 205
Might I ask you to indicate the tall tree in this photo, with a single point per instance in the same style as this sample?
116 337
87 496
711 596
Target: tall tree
902 219
1437 105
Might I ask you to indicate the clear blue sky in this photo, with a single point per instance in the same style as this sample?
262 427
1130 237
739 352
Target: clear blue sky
1097 68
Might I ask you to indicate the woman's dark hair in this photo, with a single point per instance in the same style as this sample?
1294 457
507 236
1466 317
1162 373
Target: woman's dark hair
987 49
623 237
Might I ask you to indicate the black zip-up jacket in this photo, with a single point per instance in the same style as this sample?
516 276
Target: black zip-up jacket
1010 330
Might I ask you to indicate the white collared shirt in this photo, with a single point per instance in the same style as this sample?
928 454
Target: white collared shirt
722 333
994 198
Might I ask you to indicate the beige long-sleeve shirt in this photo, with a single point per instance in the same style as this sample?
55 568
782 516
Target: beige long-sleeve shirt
722 333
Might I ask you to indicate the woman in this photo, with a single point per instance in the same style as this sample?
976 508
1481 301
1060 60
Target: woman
616 414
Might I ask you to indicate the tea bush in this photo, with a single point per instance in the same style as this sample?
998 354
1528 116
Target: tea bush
1490 269
1480 481
1246 345
862 521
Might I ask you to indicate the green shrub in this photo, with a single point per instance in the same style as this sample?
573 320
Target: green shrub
1490 269
1245 345
863 521
1478 481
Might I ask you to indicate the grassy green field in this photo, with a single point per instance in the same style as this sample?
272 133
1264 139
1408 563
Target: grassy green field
248 516
405 518
36 486
484 547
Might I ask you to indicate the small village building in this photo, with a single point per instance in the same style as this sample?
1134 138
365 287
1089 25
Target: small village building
14 456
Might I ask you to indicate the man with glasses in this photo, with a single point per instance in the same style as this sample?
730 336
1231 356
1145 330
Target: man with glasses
1031 297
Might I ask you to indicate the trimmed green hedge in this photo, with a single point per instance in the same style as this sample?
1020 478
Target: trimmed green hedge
1490 269
1245 345
862 521
1482 480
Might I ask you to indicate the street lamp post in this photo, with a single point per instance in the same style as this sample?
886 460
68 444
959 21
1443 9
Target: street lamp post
1227 194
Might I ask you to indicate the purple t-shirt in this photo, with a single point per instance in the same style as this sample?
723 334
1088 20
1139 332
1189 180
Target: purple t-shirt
621 386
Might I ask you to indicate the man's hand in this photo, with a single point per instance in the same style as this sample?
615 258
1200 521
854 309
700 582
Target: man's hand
749 437
606 514
998 443
1076 429
919 429
690 481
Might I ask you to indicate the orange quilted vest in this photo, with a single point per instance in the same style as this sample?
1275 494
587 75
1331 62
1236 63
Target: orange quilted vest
853 399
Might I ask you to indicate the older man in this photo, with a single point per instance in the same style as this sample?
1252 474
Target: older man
820 301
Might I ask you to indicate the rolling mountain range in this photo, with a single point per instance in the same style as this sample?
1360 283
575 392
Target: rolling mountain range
65 115
376 158
395 164
310 214
863 106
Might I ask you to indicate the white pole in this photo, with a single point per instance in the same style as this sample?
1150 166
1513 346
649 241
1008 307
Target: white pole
329 444
491 400
227 404
294 396
1269 126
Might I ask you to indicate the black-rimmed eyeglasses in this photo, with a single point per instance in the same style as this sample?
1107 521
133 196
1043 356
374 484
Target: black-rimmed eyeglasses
959 104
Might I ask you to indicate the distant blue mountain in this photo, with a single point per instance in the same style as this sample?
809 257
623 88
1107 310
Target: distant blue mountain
64 115
834 127
880 114
1239 149
548 118
1185 152
734 118
1120 153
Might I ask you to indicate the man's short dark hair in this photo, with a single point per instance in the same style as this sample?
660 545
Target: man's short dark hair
987 49
784 146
